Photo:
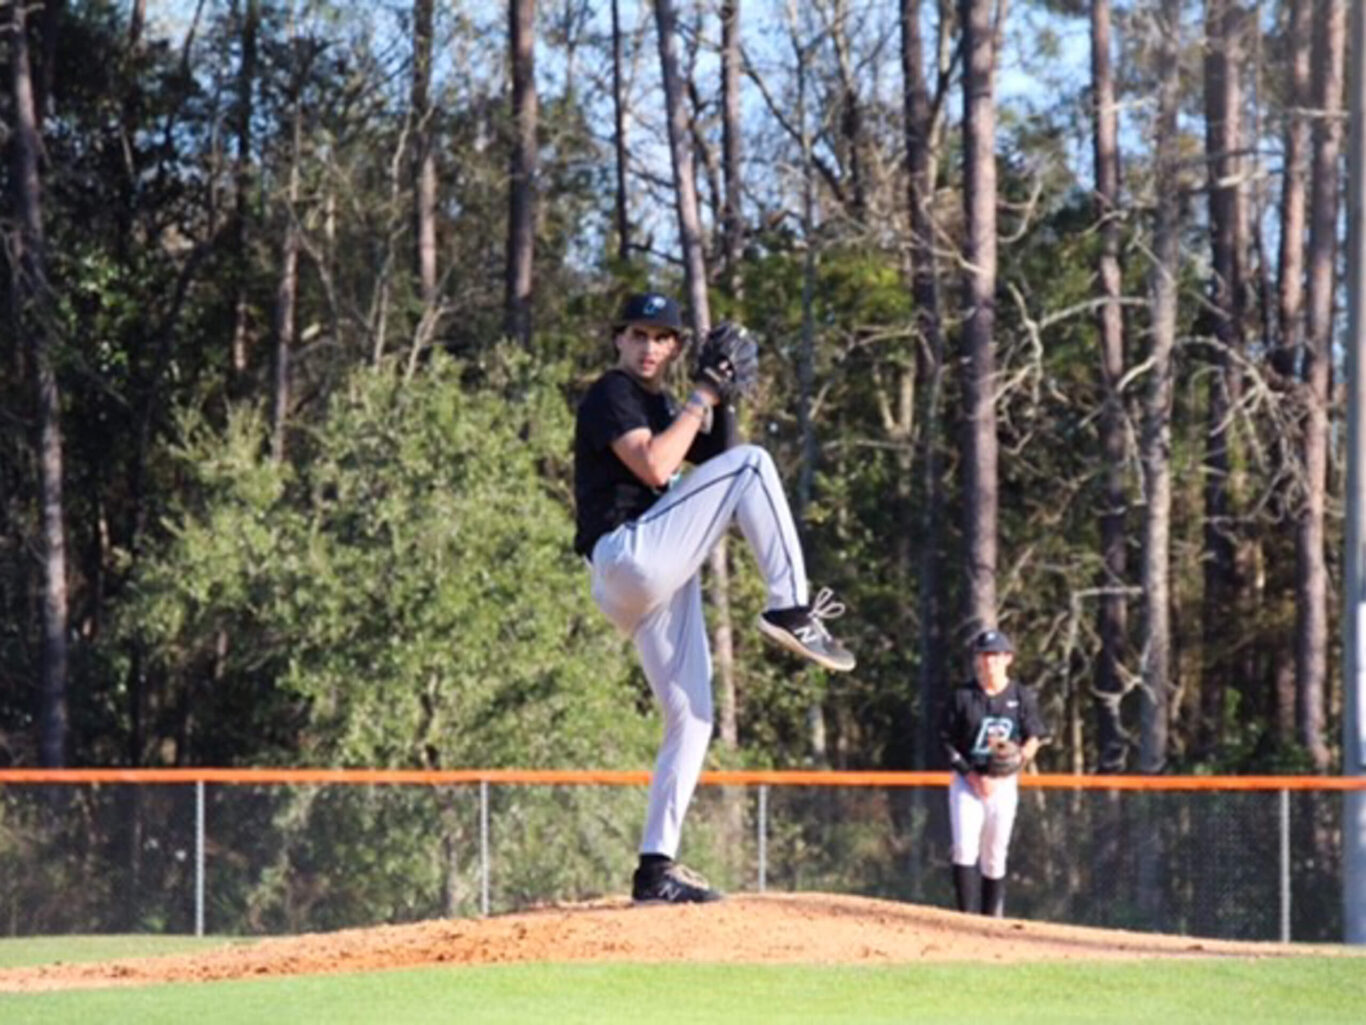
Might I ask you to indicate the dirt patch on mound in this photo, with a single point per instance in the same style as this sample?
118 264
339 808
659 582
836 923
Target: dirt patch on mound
754 928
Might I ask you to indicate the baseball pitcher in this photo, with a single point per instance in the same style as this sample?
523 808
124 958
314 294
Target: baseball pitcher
646 529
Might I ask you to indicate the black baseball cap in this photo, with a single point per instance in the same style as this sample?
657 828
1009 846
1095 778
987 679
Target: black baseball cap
992 642
653 309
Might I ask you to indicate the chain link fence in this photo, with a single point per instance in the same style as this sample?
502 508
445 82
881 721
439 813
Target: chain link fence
249 859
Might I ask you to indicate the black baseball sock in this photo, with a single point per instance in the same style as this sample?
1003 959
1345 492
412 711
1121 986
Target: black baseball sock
994 897
965 886
654 864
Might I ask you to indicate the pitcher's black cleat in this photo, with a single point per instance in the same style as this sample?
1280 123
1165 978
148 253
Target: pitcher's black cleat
800 629
671 883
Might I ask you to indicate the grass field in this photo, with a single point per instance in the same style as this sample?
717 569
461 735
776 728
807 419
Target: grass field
1303 990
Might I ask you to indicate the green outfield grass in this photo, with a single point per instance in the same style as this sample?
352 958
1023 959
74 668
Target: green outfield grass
1303 990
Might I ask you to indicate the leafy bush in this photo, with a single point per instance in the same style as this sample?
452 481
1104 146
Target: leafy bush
401 593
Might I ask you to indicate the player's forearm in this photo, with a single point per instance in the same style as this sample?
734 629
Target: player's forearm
667 449
957 761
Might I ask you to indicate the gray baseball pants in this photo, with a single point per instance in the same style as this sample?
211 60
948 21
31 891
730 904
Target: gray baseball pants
645 578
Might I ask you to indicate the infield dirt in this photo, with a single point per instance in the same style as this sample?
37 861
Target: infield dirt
755 928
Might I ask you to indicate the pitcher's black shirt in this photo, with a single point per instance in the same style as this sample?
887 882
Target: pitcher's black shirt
606 492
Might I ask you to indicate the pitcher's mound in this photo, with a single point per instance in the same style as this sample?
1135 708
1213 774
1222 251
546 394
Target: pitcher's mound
789 927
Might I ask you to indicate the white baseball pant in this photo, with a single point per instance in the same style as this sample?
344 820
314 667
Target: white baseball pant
982 827
645 579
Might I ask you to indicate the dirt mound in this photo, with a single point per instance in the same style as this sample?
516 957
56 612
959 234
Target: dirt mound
800 927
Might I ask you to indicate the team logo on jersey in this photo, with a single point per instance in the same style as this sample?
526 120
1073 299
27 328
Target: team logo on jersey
993 728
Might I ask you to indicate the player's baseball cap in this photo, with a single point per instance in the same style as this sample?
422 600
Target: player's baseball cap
992 641
652 309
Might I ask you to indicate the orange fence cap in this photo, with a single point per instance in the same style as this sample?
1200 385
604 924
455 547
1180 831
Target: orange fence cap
640 777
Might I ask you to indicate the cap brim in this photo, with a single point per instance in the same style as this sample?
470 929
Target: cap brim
622 325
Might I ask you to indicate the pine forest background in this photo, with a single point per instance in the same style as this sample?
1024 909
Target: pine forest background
301 295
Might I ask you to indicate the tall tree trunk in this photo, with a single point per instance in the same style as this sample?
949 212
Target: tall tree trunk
1228 247
706 161
1157 427
1311 572
287 291
979 183
35 324
1288 353
130 118
702 154
806 347
817 739
1110 321
852 134
732 223
423 182
723 647
699 311
1290 287
424 157
619 139
246 91
685 181
522 187
137 21
927 526
43 61
732 242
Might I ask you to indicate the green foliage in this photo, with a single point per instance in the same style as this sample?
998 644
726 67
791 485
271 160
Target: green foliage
403 594
407 589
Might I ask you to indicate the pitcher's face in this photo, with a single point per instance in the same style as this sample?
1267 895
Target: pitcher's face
645 352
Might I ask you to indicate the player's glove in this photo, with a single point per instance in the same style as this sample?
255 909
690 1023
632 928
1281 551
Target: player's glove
1006 758
728 362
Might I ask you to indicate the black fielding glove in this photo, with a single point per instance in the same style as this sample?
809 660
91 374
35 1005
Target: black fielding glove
728 362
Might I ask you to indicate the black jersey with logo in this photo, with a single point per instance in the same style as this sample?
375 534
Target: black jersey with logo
606 492
972 719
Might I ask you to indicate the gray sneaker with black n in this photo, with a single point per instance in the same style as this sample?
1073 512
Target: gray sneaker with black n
801 629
